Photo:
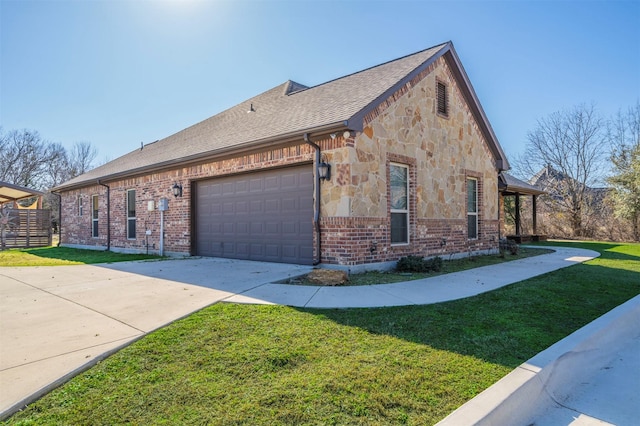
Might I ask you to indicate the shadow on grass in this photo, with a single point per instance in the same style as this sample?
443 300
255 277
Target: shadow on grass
607 250
509 325
83 255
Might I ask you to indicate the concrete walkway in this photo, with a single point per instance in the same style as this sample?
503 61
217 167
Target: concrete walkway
58 321
437 289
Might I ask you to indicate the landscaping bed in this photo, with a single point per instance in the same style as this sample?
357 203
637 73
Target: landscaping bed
448 266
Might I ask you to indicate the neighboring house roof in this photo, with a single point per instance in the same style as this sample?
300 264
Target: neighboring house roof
551 180
289 110
11 192
510 185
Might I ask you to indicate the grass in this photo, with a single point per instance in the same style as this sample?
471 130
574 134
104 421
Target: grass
55 256
250 364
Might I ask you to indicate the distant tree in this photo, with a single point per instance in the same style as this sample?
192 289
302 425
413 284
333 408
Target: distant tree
624 135
570 147
81 158
26 159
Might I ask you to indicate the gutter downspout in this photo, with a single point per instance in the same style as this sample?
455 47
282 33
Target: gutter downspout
316 207
57 194
108 214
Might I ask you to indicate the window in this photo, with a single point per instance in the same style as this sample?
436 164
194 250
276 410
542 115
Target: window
442 99
131 214
80 210
472 208
94 216
399 185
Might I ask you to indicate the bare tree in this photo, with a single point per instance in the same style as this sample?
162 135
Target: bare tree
624 135
565 154
26 158
81 158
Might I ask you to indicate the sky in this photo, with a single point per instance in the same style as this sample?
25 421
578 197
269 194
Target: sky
120 72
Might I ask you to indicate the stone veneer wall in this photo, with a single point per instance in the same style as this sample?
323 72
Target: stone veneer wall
441 153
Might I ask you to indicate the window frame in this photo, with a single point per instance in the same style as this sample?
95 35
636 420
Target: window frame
404 211
130 219
80 206
444 111
475 213
95 214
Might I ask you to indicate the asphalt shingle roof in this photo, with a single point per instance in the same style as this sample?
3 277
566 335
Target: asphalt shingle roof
286 109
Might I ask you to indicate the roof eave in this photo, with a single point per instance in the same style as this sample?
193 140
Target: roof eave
356 122
476 108
283 139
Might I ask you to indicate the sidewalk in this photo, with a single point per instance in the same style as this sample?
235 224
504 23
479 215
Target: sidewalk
425 291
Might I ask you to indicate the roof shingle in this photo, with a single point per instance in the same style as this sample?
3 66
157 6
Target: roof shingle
286 109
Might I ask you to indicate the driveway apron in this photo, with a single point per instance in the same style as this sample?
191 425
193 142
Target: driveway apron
56 321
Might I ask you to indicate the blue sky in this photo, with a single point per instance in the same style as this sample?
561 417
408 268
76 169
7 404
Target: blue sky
117 73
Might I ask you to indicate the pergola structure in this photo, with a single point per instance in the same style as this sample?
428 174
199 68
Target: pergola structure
511 186
22 227
13 193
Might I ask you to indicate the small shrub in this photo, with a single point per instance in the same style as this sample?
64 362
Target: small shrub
410 264
435 264
509 246
419 264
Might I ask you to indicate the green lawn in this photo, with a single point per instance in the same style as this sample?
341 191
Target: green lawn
270 365
55 256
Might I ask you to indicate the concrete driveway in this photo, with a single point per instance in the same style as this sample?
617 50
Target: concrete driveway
57 320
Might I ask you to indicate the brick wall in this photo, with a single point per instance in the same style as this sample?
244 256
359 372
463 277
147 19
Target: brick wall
76 228
360 240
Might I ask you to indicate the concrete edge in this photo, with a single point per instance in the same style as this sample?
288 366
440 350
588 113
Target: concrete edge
546 379
62 380
23 403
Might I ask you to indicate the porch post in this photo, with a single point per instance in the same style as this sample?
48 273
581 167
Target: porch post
517 213
535 215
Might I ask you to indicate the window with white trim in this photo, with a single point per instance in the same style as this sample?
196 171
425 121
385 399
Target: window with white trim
131 214
80 209
94 216
472 208
399 191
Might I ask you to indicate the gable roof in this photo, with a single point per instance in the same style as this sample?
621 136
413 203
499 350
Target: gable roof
286 112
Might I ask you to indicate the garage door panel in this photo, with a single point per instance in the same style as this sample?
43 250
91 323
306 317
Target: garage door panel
290 229
242 186
265 215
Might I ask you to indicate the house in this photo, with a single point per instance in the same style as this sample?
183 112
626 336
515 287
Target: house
398 159
574 208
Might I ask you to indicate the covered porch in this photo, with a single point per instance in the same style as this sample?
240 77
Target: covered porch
510 186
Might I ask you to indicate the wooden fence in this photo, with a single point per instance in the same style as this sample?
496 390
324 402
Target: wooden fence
25 228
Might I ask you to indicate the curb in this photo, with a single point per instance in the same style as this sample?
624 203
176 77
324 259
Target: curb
546 379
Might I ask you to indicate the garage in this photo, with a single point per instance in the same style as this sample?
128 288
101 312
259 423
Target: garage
266 216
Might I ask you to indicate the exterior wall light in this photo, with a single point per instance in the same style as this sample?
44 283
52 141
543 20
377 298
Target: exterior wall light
177 190
324 171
